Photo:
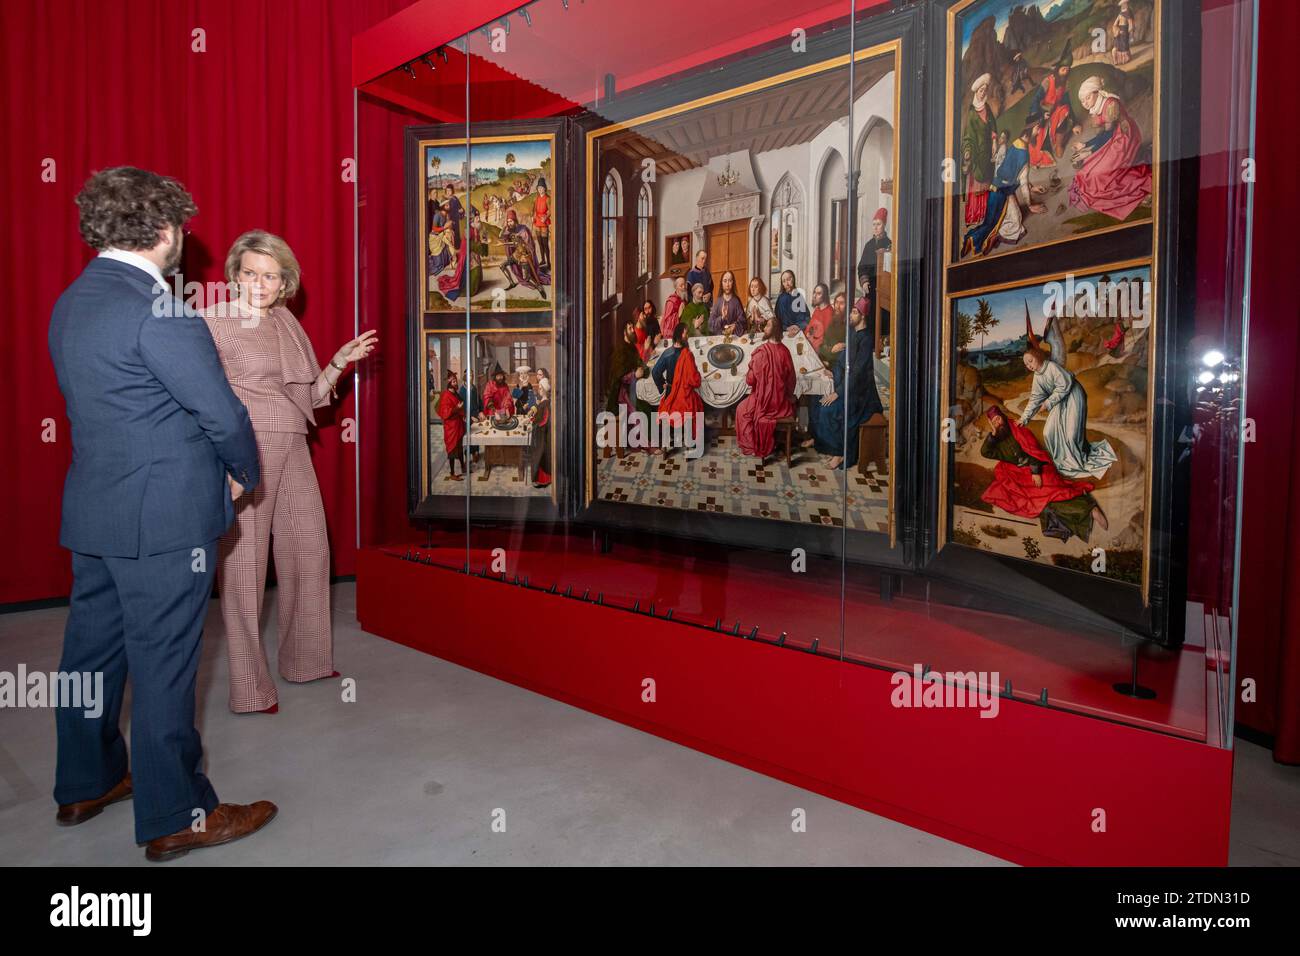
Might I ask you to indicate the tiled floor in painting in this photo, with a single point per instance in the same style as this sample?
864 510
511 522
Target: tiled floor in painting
503 482
723 480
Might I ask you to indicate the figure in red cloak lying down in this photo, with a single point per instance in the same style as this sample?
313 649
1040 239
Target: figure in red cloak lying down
1027 484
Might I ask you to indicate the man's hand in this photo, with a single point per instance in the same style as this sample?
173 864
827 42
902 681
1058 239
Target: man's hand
236 489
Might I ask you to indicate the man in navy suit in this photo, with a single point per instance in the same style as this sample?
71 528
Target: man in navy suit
160 448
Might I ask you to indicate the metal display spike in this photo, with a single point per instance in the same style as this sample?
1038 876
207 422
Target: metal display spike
1006 688
717 624
753 633
636 606
1042 698
813 649
669 615
780 641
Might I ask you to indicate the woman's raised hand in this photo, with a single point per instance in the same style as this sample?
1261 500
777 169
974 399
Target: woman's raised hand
358 348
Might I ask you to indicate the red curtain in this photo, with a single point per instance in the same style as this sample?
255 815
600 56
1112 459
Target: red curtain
249 104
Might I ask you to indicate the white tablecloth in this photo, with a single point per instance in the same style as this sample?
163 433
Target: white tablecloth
523 435
722 389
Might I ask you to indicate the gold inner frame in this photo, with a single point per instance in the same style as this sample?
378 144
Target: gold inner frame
946 365
469 329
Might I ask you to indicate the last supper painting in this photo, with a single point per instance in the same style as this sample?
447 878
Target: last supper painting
1053 108
757 382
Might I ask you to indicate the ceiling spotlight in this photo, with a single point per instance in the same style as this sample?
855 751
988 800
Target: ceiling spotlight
427 60
528 17
504 22
409 69
1205 378
442 52
1212 358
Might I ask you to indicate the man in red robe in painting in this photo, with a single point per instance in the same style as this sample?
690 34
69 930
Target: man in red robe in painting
1051 100
452 412
673 308
771 380
1027 484
682 397
542 224
496 397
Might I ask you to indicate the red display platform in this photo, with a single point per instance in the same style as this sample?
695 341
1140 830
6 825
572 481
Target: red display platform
1034 785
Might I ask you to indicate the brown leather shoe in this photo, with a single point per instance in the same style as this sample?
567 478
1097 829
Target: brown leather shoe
70 814
228 822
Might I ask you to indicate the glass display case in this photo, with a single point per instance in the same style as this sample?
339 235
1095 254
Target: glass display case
906 337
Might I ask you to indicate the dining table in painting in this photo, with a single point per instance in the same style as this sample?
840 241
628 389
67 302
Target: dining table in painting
723 388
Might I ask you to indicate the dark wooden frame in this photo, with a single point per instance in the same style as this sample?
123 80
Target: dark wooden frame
997 582
457 509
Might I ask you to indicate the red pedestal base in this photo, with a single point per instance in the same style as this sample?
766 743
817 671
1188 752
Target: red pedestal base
1032 785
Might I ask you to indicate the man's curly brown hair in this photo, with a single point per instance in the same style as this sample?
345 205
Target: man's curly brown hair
124 207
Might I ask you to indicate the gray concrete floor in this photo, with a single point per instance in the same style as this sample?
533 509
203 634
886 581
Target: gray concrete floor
414 771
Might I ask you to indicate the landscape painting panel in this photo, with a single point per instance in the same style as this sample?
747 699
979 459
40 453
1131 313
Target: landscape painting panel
1053 113
1050 418
490 237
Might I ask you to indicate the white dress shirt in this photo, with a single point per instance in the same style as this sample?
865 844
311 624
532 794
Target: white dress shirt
137 260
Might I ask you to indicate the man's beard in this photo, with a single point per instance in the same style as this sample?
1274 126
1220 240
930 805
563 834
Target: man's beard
173 260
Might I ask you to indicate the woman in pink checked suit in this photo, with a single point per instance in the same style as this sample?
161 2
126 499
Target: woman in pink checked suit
273 370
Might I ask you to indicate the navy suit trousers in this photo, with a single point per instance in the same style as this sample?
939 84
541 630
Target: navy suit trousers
143 615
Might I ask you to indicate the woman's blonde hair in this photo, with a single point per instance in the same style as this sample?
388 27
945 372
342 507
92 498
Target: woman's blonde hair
266 244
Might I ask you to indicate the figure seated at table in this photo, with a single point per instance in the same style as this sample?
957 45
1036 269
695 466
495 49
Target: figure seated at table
496 397
678 378
771 379
758 309
853 400
832 340
695 317
728 315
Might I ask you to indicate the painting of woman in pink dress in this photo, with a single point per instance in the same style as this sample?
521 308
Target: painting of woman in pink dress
1108 181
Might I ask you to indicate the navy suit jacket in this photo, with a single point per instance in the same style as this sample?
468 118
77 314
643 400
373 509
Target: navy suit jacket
155 425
